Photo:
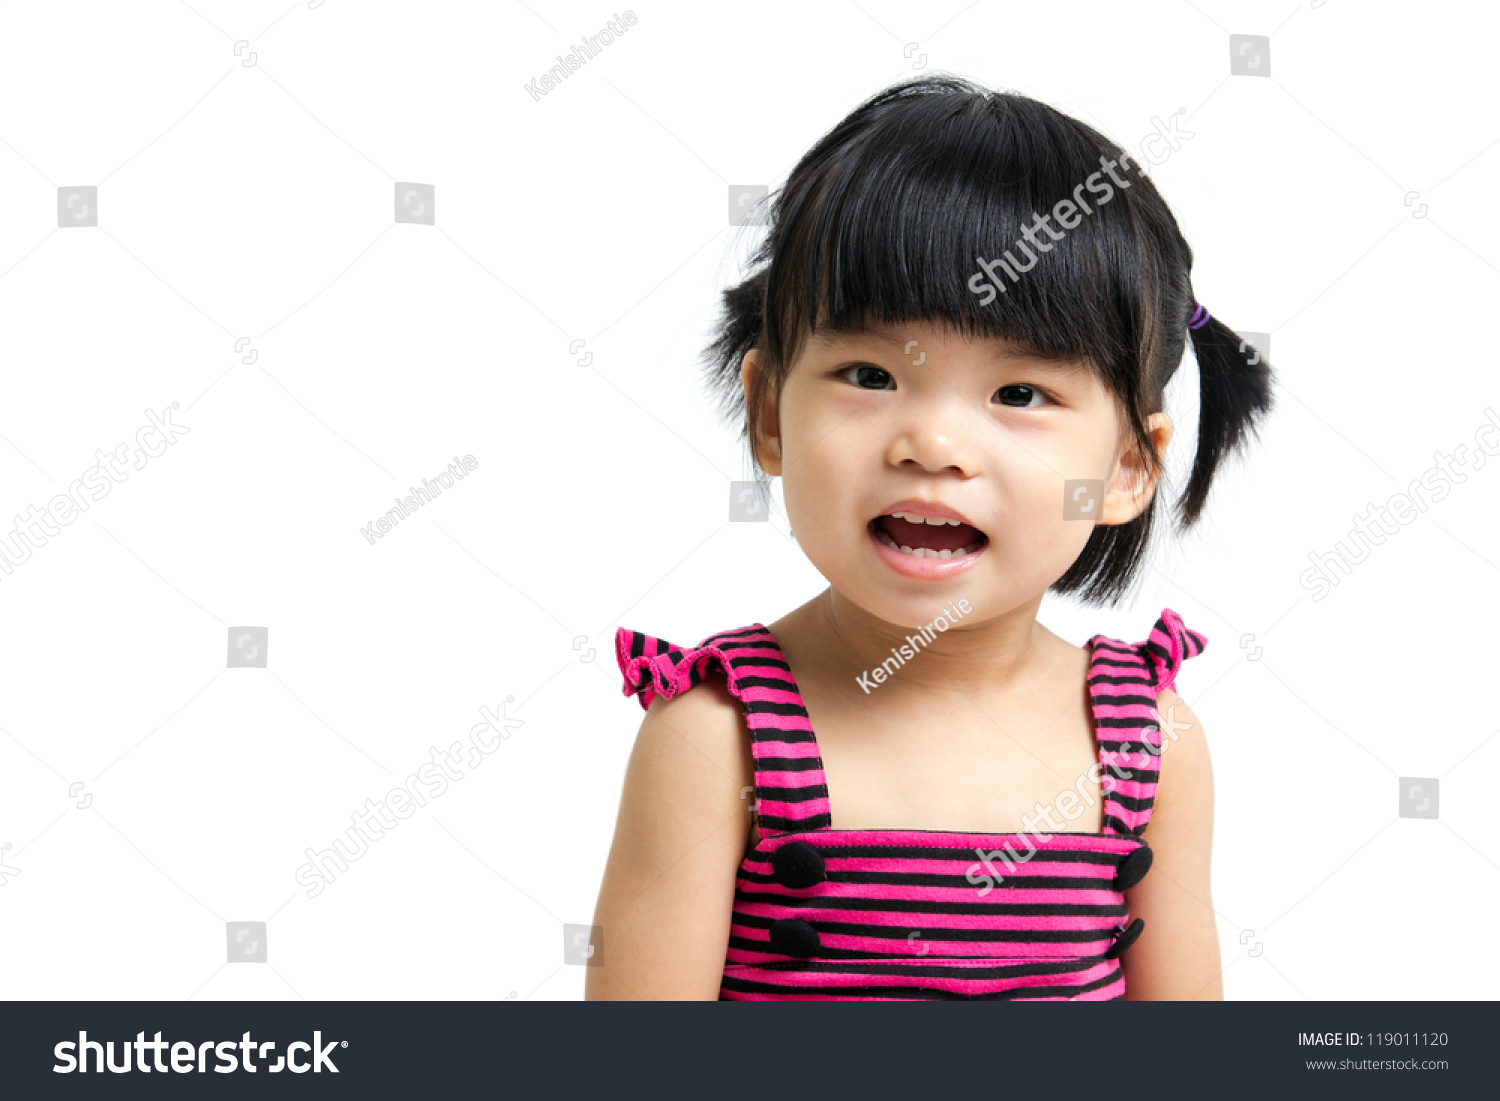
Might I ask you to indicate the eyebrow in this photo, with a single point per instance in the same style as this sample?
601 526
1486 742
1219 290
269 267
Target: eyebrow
852 334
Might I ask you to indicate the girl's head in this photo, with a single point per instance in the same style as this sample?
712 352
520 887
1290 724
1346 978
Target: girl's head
969 299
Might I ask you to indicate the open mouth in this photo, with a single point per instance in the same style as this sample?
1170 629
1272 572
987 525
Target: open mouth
927 537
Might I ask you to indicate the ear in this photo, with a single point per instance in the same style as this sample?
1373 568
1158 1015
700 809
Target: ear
1130 487
768 455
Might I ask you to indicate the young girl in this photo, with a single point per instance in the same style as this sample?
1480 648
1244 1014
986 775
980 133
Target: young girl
952 350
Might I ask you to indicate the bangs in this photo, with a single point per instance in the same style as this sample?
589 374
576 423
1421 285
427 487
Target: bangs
892 223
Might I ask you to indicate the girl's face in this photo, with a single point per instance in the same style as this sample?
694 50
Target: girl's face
917 420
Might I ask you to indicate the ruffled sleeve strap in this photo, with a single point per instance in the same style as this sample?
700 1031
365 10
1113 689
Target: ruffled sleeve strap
655 667
1171 643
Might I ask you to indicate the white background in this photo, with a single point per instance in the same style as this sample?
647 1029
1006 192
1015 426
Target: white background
257 202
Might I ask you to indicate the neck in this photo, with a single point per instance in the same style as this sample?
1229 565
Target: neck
972 655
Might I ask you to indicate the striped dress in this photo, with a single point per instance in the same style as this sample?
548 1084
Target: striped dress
887 914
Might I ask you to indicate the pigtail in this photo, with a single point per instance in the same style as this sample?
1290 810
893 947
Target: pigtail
1235 393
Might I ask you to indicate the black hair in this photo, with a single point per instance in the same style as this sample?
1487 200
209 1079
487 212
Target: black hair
892 210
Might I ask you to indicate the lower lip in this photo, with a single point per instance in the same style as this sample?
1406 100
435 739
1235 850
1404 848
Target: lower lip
924 568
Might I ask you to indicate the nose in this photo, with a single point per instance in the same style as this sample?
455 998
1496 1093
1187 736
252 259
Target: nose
934 435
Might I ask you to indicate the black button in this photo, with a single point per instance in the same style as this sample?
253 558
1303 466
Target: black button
1125 939
1133 868
794 937
797 864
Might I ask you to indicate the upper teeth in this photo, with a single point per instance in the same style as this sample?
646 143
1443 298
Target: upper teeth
911 518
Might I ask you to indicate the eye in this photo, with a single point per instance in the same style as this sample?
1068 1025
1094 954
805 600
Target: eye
1026 393
869 377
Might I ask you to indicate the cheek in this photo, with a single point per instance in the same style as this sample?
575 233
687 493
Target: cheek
823 456
816 490
1039 529
820 483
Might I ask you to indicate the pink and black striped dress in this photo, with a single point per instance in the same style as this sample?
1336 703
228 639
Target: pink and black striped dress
884 914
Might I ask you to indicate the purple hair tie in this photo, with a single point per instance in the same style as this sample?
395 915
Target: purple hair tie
1199 318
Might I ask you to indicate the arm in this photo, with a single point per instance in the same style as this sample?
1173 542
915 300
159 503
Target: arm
668 890
1177 955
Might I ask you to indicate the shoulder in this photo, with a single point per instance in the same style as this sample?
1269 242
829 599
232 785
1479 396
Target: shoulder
709 721
1186 771
693 746
1178 720
689 786
680 837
